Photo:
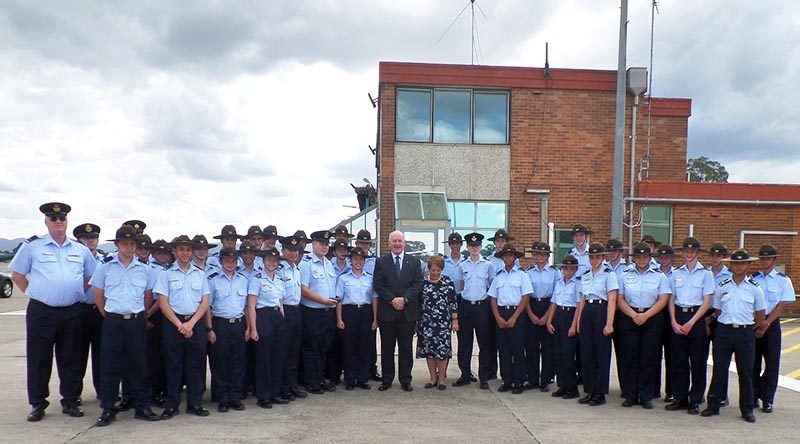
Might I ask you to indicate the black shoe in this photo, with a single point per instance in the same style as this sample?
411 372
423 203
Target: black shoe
223 407
724 403
484 385
473 379
125 405
73 411
709 412
557 394
278 401
375 376
676 405
384 386
517 390
597 400
407 387
236 405
669 399
264 404
429 385
767 407
169 412
693 409
196 410
328 386
146 415
529 386
544 388
570 394
647 405
363 385
629 403
298 393
288 397
585 399
315 390
462 381
106 418
37 413
749 417
350 386
504 388
441 387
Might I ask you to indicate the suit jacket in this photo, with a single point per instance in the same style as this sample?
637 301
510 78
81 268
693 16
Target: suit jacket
386 283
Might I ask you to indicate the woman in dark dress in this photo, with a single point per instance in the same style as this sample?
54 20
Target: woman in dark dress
438 317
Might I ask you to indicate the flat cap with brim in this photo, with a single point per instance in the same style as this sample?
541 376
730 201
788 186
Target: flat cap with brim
455 236
767 250
596 248
323 236
718 248
228 231
136 224
86 230
569 261
650 240
501 234
358 251
541 247
690 243
160 245
227 252
473 238
55 208
364 236
615 244
509 249
642 248
291 243
125 232
581 228
272 252
664 249
182 240
200 241
740 256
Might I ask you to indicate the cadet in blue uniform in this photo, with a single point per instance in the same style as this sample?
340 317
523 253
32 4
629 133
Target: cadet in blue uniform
563 325
228 238
183 298
292 279
539 343
122 288
271 237
54 273
500 239
509 292
161 255
250 264
692 287
357 317
643 294
614 256
474 314
334 360
319 319
228 329
596 325
452 260
778 291
739 305
256 236
664 255
268 330
364 240
200 259
717 252
654 244
580 235
92 324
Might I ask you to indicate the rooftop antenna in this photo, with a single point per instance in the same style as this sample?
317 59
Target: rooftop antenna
475 38
546 59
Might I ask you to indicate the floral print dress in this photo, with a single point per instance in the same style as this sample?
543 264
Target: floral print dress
433 331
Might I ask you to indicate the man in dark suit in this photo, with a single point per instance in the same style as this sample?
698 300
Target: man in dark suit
398 281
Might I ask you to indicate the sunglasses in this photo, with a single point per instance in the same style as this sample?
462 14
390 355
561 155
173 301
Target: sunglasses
56 217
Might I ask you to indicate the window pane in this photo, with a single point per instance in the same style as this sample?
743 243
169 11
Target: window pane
657 213
408 206
451 113
658 222
413 115
491 118
464 214
564 243
420 244
491 214
434 206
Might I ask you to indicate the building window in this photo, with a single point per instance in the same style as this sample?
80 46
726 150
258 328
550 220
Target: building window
481 217
563 244
420 206
657 221
452 116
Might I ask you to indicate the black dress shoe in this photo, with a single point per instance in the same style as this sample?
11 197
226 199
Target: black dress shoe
647 405
328 386
504 388
350 386
669 399
223 407
37 413
767 407
585 399
749 416
278 401
557 394
597 400
429 385
125 405
315 390
693 409
407 387
363 385
236 405
441 387
676 405
384 386
146 415
724 403
375 376
106 418
298 393
473 379
264 404
169 412
287 396
544 388
517 390
629 403
484 385
529 386
709 412
462 381
570 394
196 410
73 411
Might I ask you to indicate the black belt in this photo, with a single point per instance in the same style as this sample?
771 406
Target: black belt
565 308
290 306
319 309
687 309
92 306
183 317
509 307
640 310
276 308
54 307
227 320
125 317
473 302
596 301
738 325
540 299
357 305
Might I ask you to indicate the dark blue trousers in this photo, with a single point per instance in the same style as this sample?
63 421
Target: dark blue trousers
357 331
318 327
474 320
124 354
689 359
639 355
511 345
294 334
185 362
768 349
539 347
91 334
565 348
228 355
270 352
740 342
665 351
155 355
595 349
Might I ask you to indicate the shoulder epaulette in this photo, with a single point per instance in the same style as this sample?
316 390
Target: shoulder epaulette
752 281
280 267
781 274
587 271
108 259
257 275
213 275
498 271
31 239
367 273
142 260
578 277
757 273
241 273
608 269
725 281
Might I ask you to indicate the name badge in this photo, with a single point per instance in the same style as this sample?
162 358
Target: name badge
630 280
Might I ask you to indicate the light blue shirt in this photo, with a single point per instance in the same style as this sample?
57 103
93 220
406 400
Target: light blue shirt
319 276
369 264
213 261
291 281
249 273
723 274
355 290
583 259
737 303
227 296
452 271
155 270
184 291
498 264
543 280
641 290
508 287
476 277
691 286
567 294
55 273
88 296
620 268
599 285
123 287
269 291
777 287
339 270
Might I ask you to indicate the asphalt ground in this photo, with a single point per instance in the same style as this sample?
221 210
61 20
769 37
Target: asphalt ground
465 414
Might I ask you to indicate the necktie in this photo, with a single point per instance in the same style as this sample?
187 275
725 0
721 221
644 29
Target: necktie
397 266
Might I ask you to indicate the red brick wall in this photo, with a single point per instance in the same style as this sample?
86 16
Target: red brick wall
386 189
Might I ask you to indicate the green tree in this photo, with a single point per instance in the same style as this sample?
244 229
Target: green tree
703 169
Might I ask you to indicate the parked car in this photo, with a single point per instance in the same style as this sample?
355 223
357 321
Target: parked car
6 286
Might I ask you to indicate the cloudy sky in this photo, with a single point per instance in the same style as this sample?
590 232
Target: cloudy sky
191 115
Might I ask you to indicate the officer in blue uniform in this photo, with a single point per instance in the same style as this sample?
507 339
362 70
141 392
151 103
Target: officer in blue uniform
292 278
453 259
563 325
539 344
692 287
334 361
228 238
256 236
319 318
268 330
614 256
650 240
200 259
53 271
596 325
717 252
739 306
580 236
474 314
509 292
250 263
664 255
643 294
160 257
271 237
778 291
364 240
227 290
356 316
92 323
122 288
183 298
500 239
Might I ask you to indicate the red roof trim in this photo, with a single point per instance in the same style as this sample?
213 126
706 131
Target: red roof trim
721 191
